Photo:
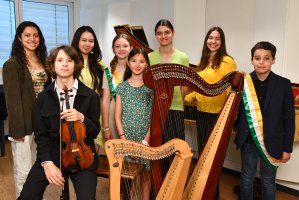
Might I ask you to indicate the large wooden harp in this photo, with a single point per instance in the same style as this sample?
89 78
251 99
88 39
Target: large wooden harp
162 78
174 183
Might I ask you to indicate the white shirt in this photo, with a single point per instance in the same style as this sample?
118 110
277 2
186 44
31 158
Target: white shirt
72 94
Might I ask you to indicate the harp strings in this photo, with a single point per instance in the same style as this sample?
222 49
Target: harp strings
200 130
202 123
122 149
161 90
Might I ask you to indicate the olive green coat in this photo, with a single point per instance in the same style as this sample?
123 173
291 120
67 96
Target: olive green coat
20 99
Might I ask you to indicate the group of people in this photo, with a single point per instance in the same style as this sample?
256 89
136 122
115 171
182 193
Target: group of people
113 102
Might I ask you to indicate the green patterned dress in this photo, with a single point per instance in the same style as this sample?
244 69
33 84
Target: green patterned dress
136 105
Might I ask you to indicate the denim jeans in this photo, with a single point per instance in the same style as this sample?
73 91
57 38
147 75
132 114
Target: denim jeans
250 155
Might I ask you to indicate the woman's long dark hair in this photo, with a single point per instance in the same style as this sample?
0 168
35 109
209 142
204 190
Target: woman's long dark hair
204 61
95 68
135 51
18 51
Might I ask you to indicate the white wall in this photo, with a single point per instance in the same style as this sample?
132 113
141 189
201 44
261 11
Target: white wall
290 54
236 18
118 14
189 27
270 26
93 17
139 16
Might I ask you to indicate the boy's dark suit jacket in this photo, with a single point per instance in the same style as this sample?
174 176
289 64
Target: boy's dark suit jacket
278 118
47 120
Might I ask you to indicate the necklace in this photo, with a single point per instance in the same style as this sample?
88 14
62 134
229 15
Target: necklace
165 56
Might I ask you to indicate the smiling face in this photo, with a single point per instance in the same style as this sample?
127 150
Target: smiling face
122 48
64 65
262 61
214 41
164 35
86 43
30 38
137 64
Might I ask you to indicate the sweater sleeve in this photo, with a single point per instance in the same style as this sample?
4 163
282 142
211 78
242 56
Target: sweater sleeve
288 116
13 98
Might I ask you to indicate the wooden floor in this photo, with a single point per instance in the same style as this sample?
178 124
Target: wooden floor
7 189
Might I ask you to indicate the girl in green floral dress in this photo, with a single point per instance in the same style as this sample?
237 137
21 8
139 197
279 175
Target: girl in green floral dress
133 112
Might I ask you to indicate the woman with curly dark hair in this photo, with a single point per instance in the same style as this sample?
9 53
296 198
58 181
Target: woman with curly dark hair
23 78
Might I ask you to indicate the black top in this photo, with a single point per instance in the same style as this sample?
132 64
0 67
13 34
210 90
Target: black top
47 120
261 88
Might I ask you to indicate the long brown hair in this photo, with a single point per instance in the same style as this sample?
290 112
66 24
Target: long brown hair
113 62
221 52
18 50
72 53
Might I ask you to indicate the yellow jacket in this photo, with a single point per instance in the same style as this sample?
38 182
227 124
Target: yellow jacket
211 76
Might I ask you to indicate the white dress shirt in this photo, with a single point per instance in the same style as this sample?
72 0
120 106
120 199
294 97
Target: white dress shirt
72 95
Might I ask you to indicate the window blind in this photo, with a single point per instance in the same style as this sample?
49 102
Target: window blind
7 30
52 19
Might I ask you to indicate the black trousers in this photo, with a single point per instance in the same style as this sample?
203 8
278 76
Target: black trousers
205 123
84 181
174 128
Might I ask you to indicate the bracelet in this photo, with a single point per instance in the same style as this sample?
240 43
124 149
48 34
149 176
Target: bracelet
145 142
121 135
106 129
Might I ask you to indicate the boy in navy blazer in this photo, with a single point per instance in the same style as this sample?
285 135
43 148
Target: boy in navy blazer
276 102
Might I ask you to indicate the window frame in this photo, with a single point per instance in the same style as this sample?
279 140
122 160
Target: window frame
74 20
70 5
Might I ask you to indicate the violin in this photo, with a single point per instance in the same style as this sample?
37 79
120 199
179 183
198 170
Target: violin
76 155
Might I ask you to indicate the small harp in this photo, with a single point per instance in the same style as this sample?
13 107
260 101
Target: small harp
162 78
174 182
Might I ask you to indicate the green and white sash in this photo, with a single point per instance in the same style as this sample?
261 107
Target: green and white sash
114 81
255 121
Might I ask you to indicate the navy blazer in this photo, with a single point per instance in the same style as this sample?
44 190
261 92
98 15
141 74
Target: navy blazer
47 120
278 118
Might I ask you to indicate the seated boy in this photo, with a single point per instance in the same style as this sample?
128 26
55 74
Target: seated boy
64 65
267 123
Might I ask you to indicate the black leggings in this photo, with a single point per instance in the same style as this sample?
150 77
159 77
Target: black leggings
173 128
205 123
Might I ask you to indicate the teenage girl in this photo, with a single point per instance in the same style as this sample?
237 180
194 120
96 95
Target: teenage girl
23 78
132 108
113 75
215 63
87 46
166 53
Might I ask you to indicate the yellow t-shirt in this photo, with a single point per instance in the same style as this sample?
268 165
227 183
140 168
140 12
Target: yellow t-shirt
211 76
86 77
